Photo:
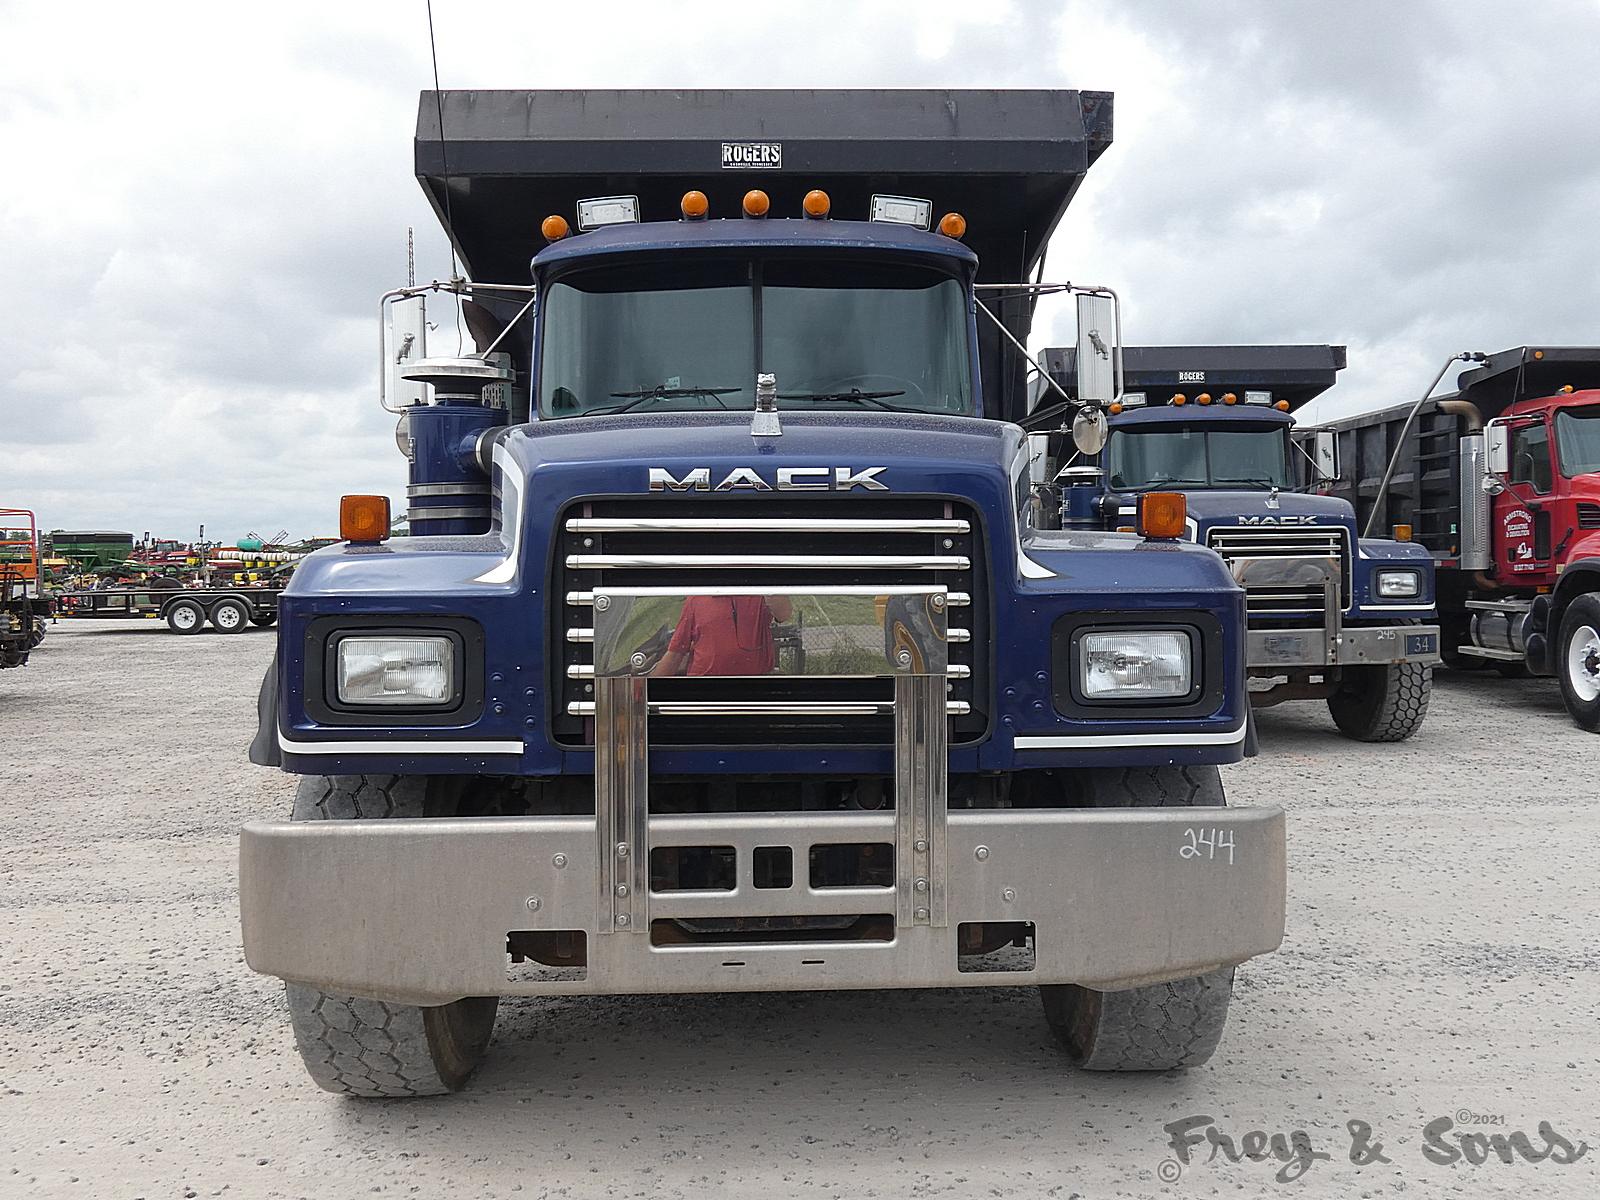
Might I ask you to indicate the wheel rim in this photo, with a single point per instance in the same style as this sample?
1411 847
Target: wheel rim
227 617
1583 663
184 618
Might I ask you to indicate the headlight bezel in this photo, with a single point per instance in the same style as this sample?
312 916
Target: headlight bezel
1207 684
1409 573
463 705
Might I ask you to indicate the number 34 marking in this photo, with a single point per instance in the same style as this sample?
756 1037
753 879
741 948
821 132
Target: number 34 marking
1207 842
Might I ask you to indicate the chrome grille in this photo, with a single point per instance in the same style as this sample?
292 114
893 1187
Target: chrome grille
1302 541
793 543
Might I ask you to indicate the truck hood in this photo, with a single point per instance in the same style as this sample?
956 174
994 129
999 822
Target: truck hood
1255 506
817 452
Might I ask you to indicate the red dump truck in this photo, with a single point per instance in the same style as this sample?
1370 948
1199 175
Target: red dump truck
1500 480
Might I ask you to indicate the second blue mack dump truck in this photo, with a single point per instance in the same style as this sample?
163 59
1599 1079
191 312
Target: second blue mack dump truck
727 655
1333 615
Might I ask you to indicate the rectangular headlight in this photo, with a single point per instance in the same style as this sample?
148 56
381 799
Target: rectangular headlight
396 670
1137 665
1398 585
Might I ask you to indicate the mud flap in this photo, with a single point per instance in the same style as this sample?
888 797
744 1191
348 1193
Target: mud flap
264 751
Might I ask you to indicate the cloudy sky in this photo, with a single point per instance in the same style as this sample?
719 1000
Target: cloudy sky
201 203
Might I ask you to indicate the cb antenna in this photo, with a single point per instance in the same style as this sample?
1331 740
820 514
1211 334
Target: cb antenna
444 162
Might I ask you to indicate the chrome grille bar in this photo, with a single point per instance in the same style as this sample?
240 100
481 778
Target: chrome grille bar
767 562
765 525
768 708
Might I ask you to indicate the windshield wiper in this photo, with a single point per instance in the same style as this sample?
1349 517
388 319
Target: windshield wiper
635 399
1257 480
854 394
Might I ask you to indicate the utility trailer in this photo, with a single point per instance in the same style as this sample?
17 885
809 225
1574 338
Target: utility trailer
1333 615
185 610
1500 481
757 397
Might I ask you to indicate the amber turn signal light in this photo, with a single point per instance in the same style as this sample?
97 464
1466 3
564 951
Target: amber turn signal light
554 227
756 203
816 204
953 225
364 518
1162 514
694 206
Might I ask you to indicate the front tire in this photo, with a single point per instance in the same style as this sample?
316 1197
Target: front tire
1381 704
1578 661
372 1047
1162 1026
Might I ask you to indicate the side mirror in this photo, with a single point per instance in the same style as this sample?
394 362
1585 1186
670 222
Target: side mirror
1327 454
1038 459
1496 449
1099 349
405 340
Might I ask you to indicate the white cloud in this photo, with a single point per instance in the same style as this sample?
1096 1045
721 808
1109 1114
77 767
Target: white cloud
204 201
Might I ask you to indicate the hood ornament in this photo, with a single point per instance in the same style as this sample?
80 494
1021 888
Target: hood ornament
1272 497
764 422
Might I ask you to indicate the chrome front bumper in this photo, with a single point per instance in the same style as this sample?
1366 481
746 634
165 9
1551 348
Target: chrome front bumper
428 911
419 910
1332 643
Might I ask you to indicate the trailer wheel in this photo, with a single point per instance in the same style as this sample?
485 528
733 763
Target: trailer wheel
186 616
229 615
1578 661
372 1047
1381 704
36 637
263 620
1162 1026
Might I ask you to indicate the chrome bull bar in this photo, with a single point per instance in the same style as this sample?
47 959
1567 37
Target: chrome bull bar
884 632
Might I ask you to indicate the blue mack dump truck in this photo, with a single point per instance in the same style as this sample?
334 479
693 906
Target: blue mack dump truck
1333 615
728 653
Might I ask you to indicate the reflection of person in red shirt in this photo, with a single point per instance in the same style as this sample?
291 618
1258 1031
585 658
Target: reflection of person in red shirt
725 635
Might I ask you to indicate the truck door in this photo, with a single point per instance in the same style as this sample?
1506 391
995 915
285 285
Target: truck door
1522 512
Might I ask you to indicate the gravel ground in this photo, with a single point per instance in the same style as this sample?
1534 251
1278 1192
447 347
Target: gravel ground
1442 961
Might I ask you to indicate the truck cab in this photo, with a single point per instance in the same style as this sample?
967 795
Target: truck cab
724 653
1500 478
1332 614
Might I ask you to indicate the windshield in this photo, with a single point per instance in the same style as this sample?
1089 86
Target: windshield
1164 455
1578 440
672 336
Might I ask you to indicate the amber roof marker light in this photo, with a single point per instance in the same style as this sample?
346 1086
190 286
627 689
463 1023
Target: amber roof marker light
364 520
953 225
694 206
554 227
816 205
756 203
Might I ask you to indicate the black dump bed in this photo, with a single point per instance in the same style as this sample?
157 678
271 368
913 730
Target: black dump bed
1297 374
1009 161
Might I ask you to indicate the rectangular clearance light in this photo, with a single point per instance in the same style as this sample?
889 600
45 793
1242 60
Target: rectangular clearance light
608 210
1258 397
903 210
1132 399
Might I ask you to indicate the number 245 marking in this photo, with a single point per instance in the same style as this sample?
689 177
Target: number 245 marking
1208 843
